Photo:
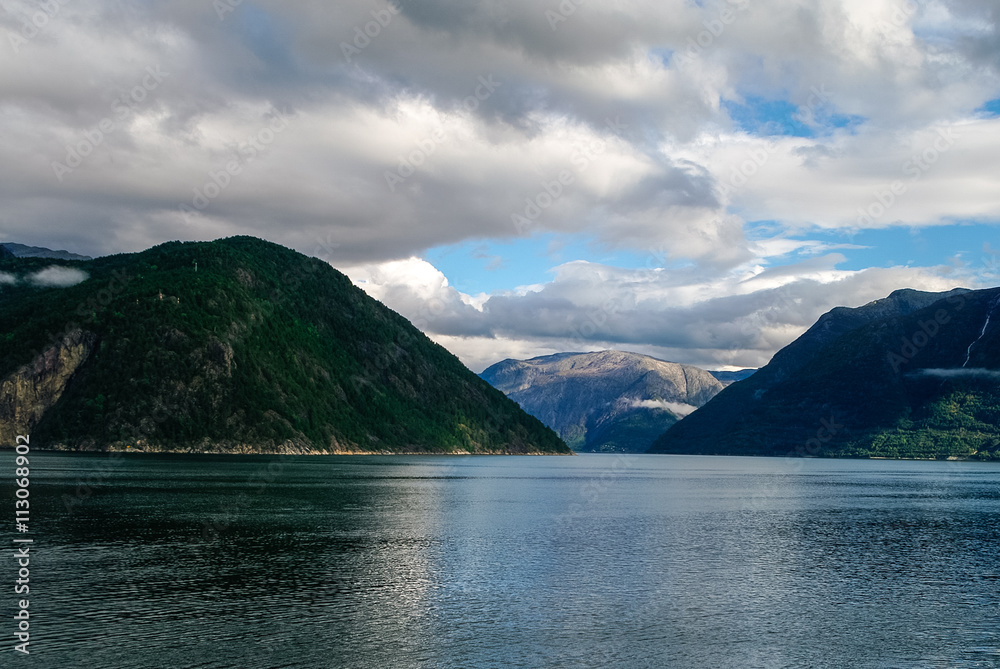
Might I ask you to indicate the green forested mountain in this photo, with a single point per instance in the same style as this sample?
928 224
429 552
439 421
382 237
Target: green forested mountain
236 345
912 375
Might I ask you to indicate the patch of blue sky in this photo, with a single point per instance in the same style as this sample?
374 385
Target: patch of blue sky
973 246
839 121
991 108
664 55
763 117
486 266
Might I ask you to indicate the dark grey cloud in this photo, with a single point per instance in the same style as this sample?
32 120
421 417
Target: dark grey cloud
444 121
980 42
365 83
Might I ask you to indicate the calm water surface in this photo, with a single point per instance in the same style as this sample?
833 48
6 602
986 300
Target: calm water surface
592 561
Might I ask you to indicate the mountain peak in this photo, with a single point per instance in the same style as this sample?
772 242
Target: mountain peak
238 345
604 400
912 375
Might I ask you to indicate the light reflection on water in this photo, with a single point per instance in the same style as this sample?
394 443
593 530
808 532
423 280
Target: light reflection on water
593 561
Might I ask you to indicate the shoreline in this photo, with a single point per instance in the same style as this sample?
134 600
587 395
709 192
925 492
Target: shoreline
311 452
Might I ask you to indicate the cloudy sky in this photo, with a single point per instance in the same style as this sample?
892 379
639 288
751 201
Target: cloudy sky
694 179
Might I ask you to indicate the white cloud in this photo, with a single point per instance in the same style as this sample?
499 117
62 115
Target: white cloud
419 276
688 316
679 409
58 276
651 159
650 179
962 372
922 176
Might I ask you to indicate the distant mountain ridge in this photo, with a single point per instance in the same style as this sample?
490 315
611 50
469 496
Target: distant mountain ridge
915 374
604 401
235 346
726 378
24 251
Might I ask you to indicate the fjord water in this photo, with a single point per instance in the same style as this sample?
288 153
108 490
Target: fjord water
588 561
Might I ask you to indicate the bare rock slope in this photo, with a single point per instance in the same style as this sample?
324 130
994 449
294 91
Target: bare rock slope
606 401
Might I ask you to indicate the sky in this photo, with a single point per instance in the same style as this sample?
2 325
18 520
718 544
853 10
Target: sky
698 180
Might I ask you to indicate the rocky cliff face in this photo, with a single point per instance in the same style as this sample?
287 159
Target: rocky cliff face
604 401
30 391
236 346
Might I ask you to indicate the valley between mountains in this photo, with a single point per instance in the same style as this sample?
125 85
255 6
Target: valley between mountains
244 346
